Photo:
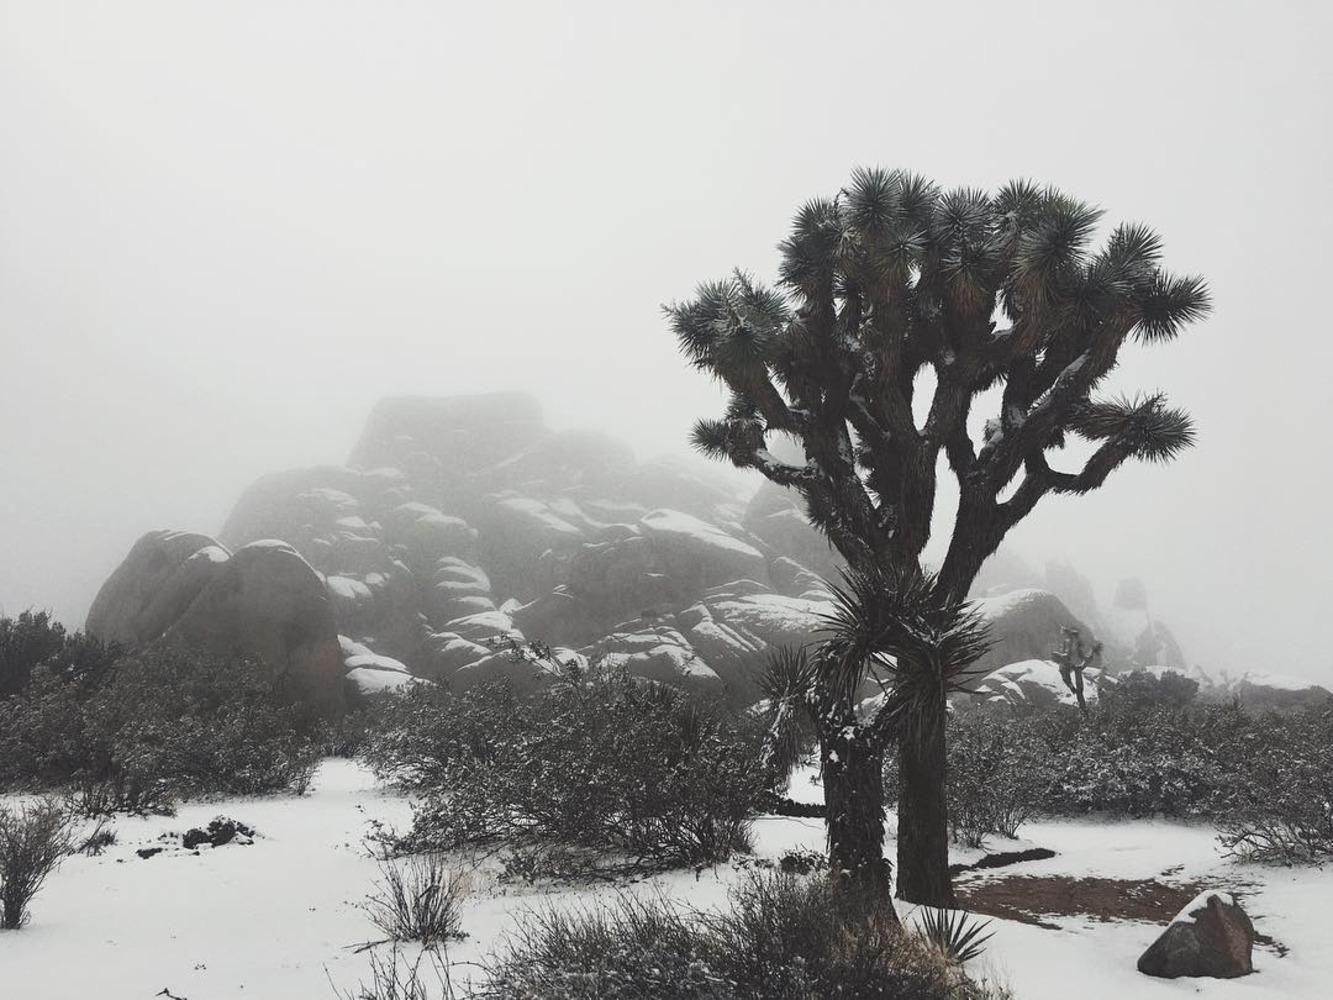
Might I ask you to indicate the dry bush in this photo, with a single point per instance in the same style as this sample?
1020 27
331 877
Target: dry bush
396 978
784 938
34 839
418 899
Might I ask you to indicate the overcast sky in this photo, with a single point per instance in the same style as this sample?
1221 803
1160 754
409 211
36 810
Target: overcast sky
227 228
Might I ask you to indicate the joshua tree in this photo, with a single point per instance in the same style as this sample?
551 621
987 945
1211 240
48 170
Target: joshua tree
1074 658
997 294
898 634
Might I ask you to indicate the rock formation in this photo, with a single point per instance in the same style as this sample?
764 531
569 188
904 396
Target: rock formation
262 601
462 524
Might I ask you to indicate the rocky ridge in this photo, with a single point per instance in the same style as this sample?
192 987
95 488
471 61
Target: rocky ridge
462 524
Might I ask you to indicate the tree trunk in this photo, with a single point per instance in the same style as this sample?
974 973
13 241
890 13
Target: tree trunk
923 816
854 798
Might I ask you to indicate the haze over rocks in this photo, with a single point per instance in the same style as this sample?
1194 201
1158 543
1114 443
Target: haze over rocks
462 523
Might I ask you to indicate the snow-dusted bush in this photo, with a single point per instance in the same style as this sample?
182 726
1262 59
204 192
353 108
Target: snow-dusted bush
36 639
34 839
995 779
161 725
596 760
418 898
1266 779
783 938
1142 690
1285 811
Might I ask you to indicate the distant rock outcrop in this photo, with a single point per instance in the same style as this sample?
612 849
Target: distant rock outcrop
462 525
158 581
1025 625
263 601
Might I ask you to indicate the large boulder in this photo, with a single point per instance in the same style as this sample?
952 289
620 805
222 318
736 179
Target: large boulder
1025 625
1032 684
160 578
267 602
1212 936
1275 692
263 601
700 554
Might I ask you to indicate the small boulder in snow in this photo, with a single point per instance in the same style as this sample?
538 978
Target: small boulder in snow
1212 936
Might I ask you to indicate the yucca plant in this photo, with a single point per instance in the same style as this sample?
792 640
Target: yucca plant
959 936
1002 293
900 636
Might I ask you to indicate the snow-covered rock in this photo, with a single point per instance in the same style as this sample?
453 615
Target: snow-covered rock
1033 683
460 522
1212 936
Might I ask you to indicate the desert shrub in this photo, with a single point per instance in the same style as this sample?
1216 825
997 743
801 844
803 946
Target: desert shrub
1284 812
34 839
597 760
396 977
994 780
35 639
1265 779
98 839
417 899
160 725
1147 761
783 938
1141 690
998 773
346 735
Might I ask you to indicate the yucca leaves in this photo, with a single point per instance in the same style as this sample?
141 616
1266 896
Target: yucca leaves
1169 304
1145 426
735 439
959 936
905 628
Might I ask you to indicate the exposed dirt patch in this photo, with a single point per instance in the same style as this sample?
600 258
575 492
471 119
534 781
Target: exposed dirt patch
1027 898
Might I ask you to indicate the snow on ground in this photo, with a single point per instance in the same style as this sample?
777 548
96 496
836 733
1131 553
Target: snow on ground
279 919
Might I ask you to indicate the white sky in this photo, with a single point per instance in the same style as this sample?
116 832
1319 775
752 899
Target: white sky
227 228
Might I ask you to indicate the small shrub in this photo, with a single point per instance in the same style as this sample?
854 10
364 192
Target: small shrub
397 978
994 779
802 861
597 761
98 840
1284 813
34 839
533 863
418 899
782 939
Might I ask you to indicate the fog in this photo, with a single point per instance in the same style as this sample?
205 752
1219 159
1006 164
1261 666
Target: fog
227 229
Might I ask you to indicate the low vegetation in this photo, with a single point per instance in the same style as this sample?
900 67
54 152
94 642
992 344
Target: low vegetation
148 729
1265 779
34 839
783 938
418 899
595 764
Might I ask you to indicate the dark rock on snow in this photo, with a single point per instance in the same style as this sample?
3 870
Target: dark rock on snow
1212 936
